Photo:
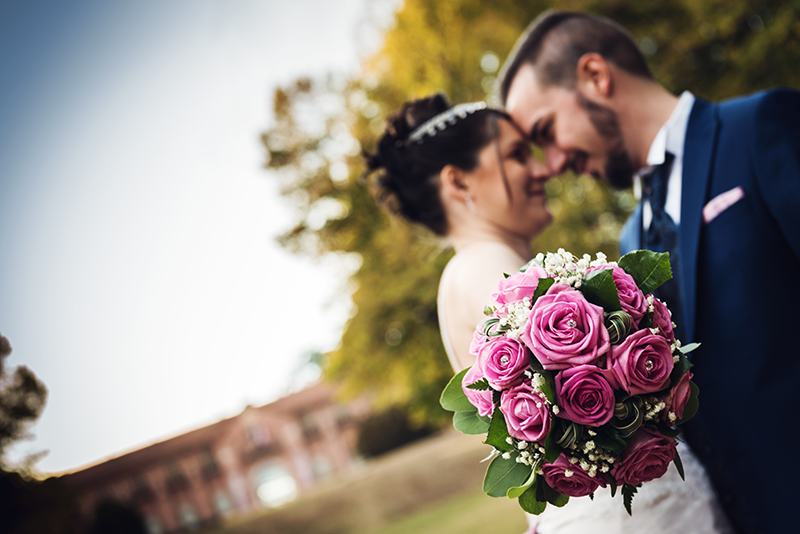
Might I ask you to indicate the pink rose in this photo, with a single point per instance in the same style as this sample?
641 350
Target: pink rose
584 396
482 400
502 361
630 296
526 413
569 479
478 339
642 363
564 329
646 457
662 319
519 285
677 398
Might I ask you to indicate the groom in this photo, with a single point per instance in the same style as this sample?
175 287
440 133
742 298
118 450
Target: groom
720 189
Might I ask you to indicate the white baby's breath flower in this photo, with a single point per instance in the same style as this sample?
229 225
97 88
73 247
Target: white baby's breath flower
568 473
556 409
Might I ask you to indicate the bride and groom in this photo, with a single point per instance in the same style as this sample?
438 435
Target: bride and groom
720 190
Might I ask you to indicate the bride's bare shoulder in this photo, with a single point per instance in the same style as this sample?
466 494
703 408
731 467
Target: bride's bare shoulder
484 260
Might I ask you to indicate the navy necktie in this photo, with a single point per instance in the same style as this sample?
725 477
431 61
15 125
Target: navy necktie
663 236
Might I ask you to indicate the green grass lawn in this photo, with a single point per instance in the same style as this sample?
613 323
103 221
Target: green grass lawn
471 513
432 486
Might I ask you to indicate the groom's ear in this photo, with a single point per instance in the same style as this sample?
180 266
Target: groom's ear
594 76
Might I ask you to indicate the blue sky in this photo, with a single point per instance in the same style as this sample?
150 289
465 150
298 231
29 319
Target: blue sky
139 278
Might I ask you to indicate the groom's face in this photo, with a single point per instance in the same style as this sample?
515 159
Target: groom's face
574 132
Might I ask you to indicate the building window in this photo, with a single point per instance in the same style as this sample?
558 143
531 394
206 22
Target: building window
274 485
153 525
209 468
258 435
188 517
222 502
176 481
310 428
321 466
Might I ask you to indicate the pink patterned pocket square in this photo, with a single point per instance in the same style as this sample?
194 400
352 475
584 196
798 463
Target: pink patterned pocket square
721 202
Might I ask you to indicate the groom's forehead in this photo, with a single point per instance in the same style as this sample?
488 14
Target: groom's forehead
527 101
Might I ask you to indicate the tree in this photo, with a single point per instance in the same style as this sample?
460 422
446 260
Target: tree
391 344
22 398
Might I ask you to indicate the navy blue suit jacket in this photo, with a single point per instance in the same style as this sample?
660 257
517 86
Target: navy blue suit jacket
741 289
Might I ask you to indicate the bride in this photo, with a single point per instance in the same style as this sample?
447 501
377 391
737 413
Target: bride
466 172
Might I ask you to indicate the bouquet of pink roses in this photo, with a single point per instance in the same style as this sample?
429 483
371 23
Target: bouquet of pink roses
579 380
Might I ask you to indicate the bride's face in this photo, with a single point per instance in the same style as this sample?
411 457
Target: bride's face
516 203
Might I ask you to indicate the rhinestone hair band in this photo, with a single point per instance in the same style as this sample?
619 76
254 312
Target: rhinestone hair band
440 121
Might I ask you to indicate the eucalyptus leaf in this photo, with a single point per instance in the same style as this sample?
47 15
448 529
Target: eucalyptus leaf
498 433
599 288
649 269
692 404
453 397
470 423
678 464
504 474
686 349
517 491
530 503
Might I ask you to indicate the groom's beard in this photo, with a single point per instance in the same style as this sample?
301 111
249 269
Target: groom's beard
619 169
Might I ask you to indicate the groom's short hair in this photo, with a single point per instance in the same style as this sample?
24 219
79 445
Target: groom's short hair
556 40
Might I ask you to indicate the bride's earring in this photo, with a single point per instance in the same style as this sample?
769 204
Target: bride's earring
469 203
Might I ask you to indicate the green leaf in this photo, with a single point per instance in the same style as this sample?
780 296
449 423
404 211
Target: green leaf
669 432
599 288
453 397
517 491
678 464
551 450
686 349
612 442
542 287
502 475
691 405
498 433
480 385
488 310
649 269
529 502
628 491
553 497
681 366
470 423
612 483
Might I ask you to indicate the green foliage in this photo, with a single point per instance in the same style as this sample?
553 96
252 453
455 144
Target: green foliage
628 491
504 474
22 398
387 430
498 433
598 287
649 269
391 345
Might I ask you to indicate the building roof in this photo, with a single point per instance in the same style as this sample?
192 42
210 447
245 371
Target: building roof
291 405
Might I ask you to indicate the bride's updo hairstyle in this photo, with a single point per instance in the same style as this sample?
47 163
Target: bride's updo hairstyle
409 159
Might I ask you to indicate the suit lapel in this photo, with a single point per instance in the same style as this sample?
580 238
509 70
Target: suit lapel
698 156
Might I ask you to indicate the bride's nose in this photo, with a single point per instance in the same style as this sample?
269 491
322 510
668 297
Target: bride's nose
538 169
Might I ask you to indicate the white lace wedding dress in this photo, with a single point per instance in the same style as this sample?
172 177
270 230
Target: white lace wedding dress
668 505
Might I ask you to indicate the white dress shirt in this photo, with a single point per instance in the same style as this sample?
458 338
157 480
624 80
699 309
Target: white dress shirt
670 138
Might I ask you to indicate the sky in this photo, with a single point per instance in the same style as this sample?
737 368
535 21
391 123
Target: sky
140 279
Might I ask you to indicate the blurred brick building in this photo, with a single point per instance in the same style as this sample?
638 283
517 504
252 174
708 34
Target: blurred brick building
264 456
